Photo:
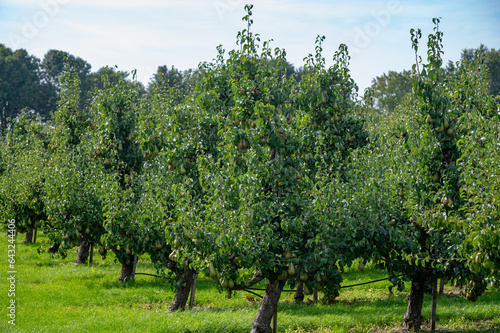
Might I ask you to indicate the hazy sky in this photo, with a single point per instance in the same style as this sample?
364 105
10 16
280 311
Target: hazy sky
145 34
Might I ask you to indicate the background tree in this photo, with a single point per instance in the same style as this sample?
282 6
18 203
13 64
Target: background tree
492 61
19 84
166 78
104 75
55 63
283 68
389 90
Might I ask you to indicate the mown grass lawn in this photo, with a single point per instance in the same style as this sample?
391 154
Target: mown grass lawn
54 295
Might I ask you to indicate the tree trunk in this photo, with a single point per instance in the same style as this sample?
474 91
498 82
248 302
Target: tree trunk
268 306
413 316
185 277
127 271
82 253
299 293
54 248
29 236
193 290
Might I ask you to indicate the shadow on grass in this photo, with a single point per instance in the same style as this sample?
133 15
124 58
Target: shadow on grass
136 284
386 315
48 262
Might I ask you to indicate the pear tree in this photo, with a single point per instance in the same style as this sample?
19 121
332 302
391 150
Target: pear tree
479 166
258 214
23 158
425 166
173 135
72 200
112 146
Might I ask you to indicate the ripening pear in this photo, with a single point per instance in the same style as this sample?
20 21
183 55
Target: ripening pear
212 272
361 266
489 264
435 178
177 243
282 276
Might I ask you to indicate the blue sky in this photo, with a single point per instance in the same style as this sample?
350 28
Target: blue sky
143 35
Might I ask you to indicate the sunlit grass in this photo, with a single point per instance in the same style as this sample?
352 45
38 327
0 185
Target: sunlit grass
54 295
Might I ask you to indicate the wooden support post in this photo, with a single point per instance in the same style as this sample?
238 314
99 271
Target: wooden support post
91 260
135 265
434 295
315 296
193 290
34 235
441 287
434 304
275 320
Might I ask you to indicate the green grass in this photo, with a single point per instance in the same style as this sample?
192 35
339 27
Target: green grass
54 295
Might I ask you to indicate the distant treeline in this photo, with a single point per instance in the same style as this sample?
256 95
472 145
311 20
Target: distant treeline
30 84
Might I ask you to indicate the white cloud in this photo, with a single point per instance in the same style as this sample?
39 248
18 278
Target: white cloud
146 34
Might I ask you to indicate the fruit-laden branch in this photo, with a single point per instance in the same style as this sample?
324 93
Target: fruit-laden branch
253 281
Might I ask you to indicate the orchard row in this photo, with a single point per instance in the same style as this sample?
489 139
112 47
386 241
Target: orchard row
255 177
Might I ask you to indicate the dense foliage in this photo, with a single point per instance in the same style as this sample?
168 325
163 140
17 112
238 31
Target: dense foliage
251 173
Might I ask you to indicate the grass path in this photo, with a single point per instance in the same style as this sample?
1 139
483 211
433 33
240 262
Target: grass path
54 295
